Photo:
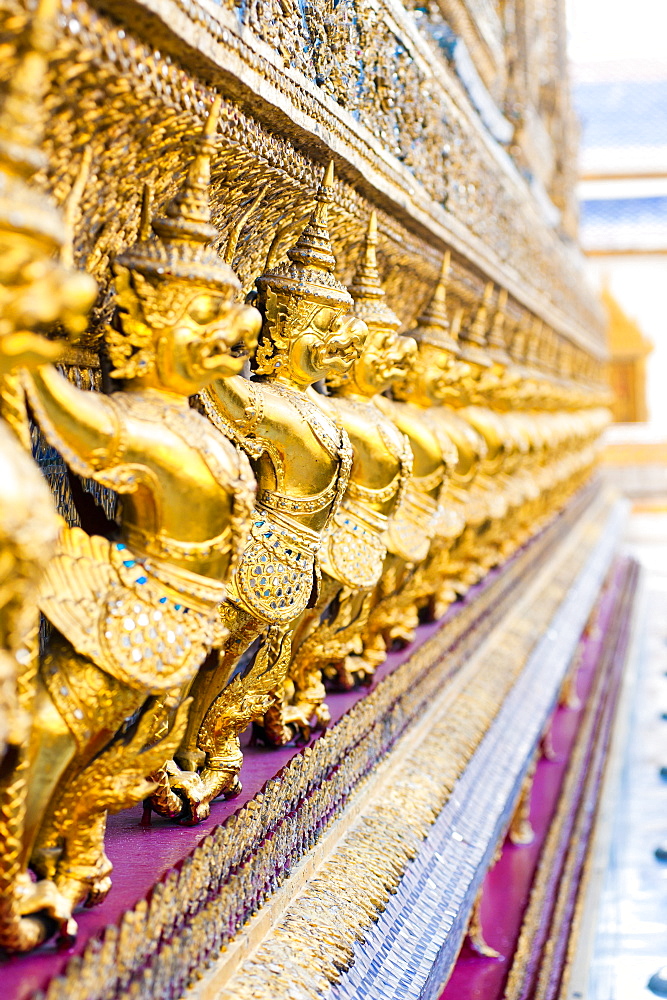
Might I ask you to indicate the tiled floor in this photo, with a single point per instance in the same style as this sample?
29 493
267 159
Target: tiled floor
629 942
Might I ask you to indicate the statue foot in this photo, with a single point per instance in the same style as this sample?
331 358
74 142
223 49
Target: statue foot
222 781
37 911
180 795
98 891
361 670
87 884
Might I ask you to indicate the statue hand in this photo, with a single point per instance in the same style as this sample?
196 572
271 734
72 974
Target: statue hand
27 350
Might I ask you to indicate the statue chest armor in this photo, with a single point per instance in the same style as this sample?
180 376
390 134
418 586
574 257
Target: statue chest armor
354 547
278 569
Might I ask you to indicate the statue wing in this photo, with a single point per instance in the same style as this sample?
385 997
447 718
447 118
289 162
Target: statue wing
75 587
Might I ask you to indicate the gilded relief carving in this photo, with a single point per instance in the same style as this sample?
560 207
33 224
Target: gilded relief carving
287 431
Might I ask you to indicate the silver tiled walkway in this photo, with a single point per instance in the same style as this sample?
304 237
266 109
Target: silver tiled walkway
623 933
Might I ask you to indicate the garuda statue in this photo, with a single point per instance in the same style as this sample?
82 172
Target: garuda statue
134 617
301 457
37 291
436 385
423 515
354 547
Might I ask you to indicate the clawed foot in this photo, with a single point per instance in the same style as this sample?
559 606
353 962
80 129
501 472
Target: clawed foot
223 782
190 788
84 884
180 794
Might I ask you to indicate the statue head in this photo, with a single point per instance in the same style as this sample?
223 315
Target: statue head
307 333
385 357
37 290
180 323
437 374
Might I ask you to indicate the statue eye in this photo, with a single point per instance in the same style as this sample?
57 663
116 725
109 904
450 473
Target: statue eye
326 321
207 308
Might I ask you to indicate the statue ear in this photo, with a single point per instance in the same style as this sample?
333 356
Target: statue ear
126 297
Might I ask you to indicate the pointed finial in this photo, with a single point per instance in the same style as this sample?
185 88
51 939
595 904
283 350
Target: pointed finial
366 282
433 325
309 272
532 347
435 313
476 333
366 288
185 231
496 344
313 247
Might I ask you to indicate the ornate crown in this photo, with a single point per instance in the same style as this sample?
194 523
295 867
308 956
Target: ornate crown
309 273
433 325
496 346
366 288
472 339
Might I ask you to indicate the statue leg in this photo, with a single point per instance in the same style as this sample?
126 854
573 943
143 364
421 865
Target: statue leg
246 698
299 703
213 676
78 770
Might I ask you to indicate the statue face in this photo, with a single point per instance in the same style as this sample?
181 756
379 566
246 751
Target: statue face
211 340
438 375
330 343
385 359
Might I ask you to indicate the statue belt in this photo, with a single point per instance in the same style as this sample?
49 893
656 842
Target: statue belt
353 548
282 503
147 623
165 549
275 576
413 526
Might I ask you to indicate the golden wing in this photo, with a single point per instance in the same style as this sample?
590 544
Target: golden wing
75 587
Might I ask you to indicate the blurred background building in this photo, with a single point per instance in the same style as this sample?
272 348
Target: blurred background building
620 95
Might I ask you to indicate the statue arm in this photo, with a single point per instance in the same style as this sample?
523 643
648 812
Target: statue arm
83 426
239 408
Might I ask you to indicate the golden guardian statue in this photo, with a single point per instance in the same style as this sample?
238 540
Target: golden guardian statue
353 551
134 617
301 457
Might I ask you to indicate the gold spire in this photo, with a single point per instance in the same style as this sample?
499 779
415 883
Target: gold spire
496 345
534 337
309 273
476 332
472 339
366 288
181 250
313 247
433 326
